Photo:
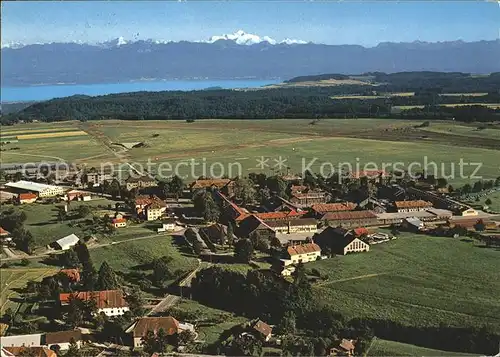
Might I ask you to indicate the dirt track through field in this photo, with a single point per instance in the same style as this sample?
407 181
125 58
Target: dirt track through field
349 279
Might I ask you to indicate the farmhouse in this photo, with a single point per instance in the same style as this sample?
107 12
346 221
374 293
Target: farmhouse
65 243
72 274
26 198
304 253
319 210
41 189
299 225
340 241
109 302
62 339
351 219
412 206
224 185
263 330
139 182
119 222
169 325
76 195
344 348
253 224
167 224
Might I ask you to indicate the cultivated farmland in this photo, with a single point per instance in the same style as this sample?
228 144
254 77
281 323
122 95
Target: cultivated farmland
242 142
452 281
17 278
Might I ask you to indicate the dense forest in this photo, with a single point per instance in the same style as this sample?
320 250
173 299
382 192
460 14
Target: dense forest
297 102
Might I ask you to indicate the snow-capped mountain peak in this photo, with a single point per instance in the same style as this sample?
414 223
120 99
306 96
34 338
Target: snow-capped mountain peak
119 41
242 38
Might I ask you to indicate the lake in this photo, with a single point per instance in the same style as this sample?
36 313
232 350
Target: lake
45 92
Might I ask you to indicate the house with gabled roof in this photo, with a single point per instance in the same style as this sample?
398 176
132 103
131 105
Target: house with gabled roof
109 302
150 207
302 253
263 330
340 241
252 224
168 324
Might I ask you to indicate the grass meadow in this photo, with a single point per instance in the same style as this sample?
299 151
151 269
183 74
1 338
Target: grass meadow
416 280
127 255
391 348
242 142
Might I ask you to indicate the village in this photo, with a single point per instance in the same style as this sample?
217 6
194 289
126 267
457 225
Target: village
277 225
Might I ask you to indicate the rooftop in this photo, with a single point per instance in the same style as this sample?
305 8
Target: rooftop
30 186
333 207
204 183
412 204
336 216
68 240
303 249
169 324
104 299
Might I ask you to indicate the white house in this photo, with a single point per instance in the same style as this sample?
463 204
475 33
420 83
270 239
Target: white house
167 224
66 243
303 253
41 189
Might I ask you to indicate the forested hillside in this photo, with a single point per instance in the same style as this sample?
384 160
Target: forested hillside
435 95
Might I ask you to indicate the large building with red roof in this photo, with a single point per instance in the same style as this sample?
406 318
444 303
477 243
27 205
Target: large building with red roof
109 302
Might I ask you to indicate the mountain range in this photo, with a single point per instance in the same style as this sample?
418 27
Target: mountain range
239 55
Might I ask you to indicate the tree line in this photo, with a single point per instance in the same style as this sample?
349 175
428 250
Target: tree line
288 103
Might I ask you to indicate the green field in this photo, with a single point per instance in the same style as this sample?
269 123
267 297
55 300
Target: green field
42 220
416 280
68 144
391 348
210 322
13 279
242 142
125 256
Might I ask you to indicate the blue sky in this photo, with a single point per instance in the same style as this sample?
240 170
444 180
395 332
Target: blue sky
362 22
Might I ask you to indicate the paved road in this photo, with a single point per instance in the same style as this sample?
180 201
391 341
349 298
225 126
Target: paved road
167 302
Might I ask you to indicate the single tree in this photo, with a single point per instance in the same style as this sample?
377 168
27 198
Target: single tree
243 251
107 279
83 211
